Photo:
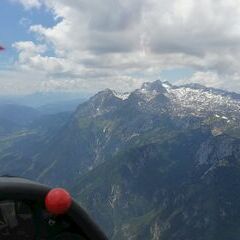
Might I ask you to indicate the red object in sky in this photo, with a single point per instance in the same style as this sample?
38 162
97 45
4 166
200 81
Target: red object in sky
2 48
58 201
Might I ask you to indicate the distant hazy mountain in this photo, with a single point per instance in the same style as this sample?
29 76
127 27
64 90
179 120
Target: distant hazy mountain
44 98
159 163
62 106
17 113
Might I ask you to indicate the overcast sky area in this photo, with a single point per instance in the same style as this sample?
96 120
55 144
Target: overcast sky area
89 45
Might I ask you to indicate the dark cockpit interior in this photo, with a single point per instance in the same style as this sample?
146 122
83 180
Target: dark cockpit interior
28 221
25 214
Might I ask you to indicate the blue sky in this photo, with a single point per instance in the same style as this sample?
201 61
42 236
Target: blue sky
91 47
14 23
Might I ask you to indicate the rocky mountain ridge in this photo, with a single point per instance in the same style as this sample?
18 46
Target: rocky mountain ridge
159 163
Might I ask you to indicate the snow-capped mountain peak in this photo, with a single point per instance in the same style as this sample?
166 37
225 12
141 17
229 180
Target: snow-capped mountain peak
192 99
185 100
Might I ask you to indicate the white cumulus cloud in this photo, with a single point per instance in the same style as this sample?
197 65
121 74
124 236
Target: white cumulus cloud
122 43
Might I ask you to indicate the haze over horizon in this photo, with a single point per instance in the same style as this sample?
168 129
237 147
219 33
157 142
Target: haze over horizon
86 46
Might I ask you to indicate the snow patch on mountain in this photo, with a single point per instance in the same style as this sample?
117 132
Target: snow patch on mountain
202 101
146 94
120 95
168 86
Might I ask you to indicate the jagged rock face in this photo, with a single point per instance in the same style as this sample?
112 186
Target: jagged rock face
175 189
154 87
102 103
217 150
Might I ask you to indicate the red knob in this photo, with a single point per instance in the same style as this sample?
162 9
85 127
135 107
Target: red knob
58 201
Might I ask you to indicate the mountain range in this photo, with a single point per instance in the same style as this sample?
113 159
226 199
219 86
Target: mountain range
159 163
